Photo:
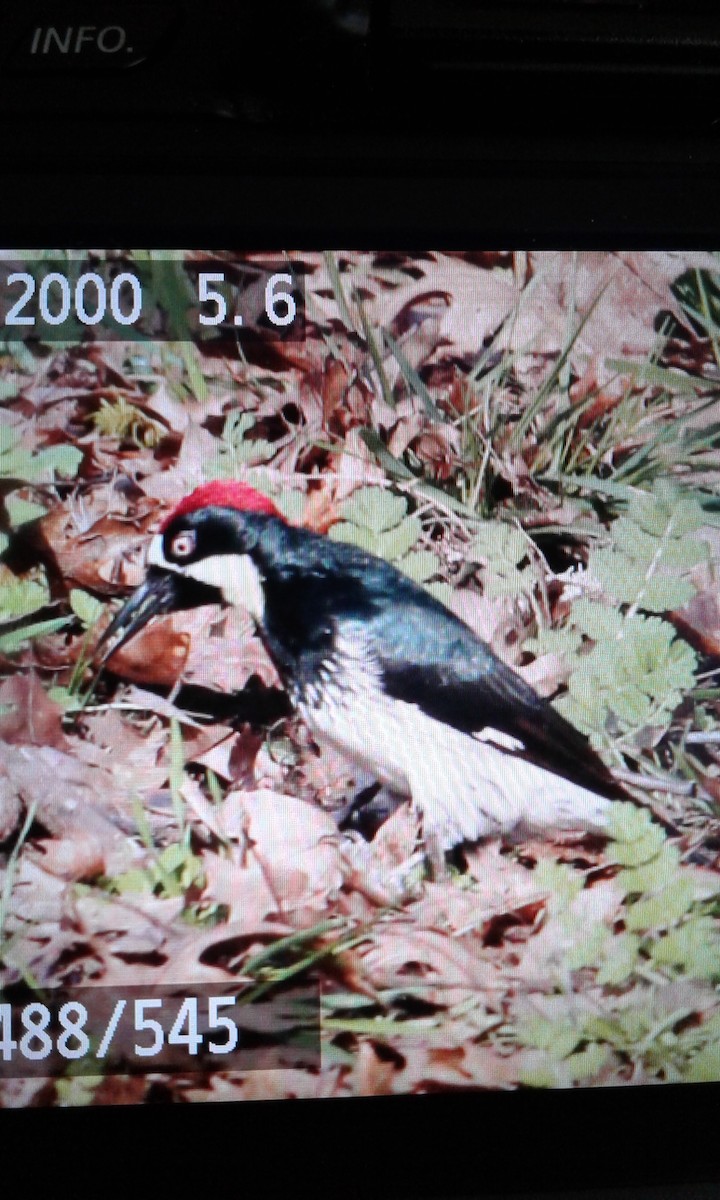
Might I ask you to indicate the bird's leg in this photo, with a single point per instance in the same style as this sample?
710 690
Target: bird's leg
345 816
370 808
435 854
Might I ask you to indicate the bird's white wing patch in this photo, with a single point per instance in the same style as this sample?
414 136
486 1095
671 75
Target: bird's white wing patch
504 740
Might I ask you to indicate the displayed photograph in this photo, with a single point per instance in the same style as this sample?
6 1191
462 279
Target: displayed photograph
359 672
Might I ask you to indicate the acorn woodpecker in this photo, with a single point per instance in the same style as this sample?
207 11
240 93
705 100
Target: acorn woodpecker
379 669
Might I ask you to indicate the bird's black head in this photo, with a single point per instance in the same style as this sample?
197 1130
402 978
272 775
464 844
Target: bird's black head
202 554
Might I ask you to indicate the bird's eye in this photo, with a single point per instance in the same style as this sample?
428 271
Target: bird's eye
183 544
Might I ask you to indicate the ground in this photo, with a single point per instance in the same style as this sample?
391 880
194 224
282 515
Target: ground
531 436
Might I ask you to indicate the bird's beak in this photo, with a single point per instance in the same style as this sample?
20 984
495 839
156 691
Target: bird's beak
158 594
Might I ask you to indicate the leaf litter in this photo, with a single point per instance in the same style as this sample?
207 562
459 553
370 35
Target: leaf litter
514 432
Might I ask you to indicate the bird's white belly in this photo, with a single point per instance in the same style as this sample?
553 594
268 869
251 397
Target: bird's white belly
368 735
466 788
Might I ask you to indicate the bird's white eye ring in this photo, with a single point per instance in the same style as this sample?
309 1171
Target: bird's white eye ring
183 544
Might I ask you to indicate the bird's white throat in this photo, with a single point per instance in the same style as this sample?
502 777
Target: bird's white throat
234 575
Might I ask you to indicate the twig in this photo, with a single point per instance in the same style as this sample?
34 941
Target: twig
10 871
651 784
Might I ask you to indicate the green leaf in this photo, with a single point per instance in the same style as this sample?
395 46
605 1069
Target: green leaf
627 822
290 501
653 545
24 466
591 949
705 1066
396 543
12 642
20 511
652 874
135 880
693 948
541 1076
631 679
21 595
597 620
663 594
639 853
621 961
587 1062
559 1038
172 857
375 508
59 460
355 535
86 607
507 555
559 880
40 467
663 909
236 448
684 555
419 565
62 696
565 641
376 520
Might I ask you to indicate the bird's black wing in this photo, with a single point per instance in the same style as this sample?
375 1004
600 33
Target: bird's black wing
430 658
426 655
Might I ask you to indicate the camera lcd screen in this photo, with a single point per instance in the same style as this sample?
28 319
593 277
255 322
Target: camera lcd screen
359 672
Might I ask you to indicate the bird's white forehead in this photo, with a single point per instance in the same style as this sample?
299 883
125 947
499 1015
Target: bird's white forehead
156 556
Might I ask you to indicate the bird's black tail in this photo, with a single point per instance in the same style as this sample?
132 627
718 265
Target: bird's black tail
557 745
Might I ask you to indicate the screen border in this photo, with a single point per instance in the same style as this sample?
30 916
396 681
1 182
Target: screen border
464 1143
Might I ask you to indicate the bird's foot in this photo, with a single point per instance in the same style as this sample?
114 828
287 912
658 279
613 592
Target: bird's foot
436 860
391 887
367 811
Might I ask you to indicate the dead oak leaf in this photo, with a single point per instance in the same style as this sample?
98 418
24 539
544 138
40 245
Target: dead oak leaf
296 845
105 556
399 953
30 716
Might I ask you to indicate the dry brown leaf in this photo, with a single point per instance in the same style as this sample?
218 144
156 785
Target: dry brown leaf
372 1075
596 286
429 1066
228 655
157 654
10 809
198 453
296 845
699 622
32 717
396 841
240 885
105 556
399 953
497 621
546 673
71 799
81 856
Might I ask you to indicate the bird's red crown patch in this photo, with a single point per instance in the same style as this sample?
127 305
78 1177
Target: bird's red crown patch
223 493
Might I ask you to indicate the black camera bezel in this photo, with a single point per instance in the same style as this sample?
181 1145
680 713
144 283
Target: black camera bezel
468 1142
